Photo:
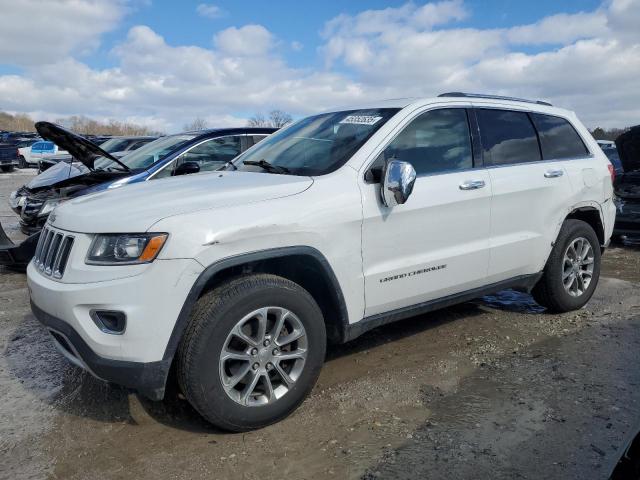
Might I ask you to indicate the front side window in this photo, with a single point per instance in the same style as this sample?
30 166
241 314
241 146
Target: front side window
210 155
508 137
316 145
558 139
436 141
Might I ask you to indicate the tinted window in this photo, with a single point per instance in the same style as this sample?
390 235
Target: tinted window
558 138
436 141
319 144
507 137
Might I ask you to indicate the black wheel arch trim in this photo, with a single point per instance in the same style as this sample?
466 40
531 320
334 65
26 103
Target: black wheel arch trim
237 260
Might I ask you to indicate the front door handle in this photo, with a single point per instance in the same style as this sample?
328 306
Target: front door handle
472 185
553 173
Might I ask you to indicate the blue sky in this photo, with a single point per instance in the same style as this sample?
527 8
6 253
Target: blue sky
163 63
180 24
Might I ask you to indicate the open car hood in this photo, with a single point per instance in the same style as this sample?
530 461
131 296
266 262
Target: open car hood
628 145
79 147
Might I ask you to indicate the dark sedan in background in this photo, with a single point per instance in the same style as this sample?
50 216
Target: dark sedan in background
93 170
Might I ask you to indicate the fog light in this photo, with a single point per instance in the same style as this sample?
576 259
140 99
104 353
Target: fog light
109 321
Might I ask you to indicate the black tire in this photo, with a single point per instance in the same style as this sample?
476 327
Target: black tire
550 291
22 162
214 316
7 168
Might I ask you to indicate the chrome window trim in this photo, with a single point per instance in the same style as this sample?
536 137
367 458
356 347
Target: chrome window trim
537 162
191 148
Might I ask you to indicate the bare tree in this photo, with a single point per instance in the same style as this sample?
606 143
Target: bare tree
277 119
196 125
78 123
607 134
257 120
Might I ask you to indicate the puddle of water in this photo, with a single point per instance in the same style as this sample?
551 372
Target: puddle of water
512 301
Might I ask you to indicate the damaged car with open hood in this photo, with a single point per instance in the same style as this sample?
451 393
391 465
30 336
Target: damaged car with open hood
627 186
94 170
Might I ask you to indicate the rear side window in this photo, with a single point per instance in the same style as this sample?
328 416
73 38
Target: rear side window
558 138
507 137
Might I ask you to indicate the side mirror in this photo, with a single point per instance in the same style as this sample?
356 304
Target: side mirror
397 182
187 168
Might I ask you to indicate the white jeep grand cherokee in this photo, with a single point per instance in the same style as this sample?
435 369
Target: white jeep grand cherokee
340 223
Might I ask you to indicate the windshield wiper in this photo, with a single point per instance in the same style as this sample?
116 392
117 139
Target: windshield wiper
230 165
267 166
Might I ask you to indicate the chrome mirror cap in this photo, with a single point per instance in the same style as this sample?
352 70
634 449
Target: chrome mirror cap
397 182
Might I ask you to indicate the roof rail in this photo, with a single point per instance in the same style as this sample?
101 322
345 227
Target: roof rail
492 97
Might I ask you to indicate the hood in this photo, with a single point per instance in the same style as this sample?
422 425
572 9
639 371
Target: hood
137 207
79 147
628 145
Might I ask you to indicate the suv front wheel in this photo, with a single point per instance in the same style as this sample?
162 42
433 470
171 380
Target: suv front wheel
252 352
572 271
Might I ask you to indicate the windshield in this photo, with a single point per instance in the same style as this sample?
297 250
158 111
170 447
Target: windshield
316 145
114 145
148 154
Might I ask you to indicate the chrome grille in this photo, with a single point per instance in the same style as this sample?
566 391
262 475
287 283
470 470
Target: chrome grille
52 252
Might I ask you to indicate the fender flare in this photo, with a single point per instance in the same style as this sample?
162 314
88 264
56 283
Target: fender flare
209 272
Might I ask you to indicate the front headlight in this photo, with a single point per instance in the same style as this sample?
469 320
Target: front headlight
125 249
48 206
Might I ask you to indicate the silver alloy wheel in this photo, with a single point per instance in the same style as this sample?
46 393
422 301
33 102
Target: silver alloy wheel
577 267
263 356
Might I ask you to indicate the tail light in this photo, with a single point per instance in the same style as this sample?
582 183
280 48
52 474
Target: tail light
612 172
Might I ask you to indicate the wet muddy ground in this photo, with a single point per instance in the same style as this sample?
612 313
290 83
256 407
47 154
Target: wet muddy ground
494 388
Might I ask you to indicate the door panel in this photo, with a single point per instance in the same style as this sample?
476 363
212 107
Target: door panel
437 243
528 202
529 194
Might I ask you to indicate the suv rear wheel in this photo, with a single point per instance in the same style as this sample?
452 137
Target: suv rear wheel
572 271
252 352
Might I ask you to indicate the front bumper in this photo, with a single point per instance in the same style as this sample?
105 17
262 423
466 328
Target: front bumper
151 297
149 379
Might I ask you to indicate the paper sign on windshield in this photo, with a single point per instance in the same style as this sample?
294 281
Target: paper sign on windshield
361 119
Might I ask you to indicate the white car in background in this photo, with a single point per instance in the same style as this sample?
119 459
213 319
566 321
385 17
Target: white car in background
30 156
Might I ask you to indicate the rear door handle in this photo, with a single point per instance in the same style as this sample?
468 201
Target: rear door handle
472 185
553 173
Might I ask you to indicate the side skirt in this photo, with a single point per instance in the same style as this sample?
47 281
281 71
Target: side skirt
523 283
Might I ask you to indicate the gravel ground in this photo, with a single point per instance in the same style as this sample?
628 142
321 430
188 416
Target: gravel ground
494 388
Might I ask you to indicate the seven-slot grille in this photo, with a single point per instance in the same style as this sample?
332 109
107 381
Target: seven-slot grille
52 252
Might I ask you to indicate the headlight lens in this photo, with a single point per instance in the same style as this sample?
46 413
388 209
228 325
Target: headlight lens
48 206
125 249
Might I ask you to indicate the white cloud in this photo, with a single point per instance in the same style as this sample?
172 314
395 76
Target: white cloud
588 61
247 40
296 46
591 64
42 31
209 10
